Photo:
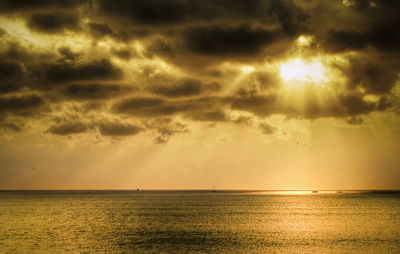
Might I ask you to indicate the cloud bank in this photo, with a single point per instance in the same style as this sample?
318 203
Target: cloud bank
188 62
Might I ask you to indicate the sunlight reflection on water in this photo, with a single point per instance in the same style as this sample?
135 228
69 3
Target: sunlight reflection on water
199 221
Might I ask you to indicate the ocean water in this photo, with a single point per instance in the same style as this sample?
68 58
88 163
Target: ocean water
199 222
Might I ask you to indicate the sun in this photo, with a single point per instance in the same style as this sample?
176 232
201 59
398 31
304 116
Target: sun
299 71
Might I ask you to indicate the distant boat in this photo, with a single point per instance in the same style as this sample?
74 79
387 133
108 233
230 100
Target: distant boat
137 189
339 191
314 191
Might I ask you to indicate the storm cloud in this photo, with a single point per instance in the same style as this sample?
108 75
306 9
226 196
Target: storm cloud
182 89
195 61
26 5
241 40
21 104
53 22
95 91
68 128
119 129
96 70
10 71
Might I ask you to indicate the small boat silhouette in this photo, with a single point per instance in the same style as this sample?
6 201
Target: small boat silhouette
314 191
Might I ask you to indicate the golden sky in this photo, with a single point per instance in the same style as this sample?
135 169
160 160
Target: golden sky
196 94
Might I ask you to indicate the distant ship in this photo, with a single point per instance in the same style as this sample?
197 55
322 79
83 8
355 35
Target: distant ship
339 191
314 191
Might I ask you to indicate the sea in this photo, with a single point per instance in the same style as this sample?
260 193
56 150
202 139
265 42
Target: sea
207 221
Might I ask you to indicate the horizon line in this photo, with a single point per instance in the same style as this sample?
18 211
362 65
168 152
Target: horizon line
199 189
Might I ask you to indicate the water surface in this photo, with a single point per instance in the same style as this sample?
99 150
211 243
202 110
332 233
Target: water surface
199 222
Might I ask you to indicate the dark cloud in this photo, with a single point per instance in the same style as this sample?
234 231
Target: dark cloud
362 25
99 29
120 33
93 105
382 21
10 71
210 116
188 87
385 36
160 46
125 54
156 107
197 38
386 102
212 86
68 128
175 12
354 105
258 104
146 107
153 12
343 105
8 87
374 74
222 29
257 83
118 129
290 16
229 20
68 54
160 140
132 33
14 51
11 126
67 72
165 128
21 104
266 128
243 120
235 9
27 5
95 91
237 40
355 120
360 5
346 40
53 22
139 103
106 128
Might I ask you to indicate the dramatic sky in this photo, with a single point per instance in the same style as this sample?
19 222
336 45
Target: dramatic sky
172 94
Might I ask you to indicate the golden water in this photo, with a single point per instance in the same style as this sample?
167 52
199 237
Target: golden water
198 222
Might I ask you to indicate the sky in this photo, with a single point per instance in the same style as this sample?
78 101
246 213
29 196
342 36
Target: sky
199 94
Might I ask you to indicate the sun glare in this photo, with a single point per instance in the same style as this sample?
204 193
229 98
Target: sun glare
302 71
304 40
247 69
